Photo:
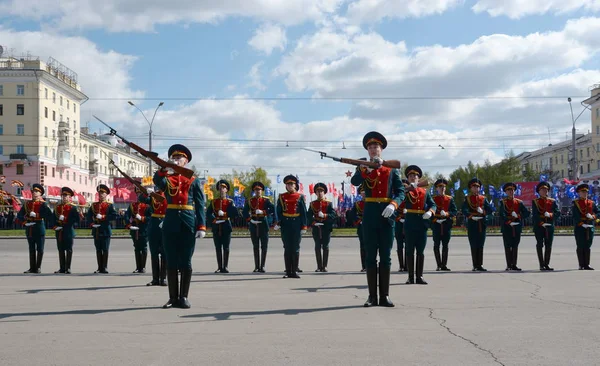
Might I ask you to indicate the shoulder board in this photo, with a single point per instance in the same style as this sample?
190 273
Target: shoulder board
448 196
550 199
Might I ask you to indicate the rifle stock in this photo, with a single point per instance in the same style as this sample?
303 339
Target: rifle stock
157 197
394 164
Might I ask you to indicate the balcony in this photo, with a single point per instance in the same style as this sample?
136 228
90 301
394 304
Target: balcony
18 157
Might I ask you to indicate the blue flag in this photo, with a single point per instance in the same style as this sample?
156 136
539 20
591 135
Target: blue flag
465 191
452 192
543 177
457 184
268 191
492 191
278 178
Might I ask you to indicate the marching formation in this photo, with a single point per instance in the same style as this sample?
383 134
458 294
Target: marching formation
169 218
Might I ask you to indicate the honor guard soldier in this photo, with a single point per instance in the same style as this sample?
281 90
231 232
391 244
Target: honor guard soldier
585 213
259 212
138 216
476 210
357 217
442 223
157 251
383 194
33 213
420 207
100 214
399 231
65 216
321 217
512 211
545 212
291 216
219 213
184 221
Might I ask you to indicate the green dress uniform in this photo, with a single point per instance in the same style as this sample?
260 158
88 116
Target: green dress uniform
321 217
357 218
399 235
157 252
139 235
219 213
512 212
32 214
62 222
291 213
476 228
585 214
259 213
442 226
100 215
184 219
545 213
383 188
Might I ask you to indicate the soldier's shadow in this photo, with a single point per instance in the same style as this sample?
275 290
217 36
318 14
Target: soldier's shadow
251 314
73 312
36 291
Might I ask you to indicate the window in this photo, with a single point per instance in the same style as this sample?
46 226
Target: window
597 129
67 104
597 109
75 176
20 129
2 166
562 171
45 170
60 118
67 139
53 135
581 169
74 107
556 160
46 132
86 176
588 152
20 109
581 154
588 168
46 112
1 110
54 116
54 98
2 153
1 90
74 126
67 175
79 179
53 154
46 151
60 98
74 141
20 89
46 93
53 172
562 160
1 129
20 149
19 169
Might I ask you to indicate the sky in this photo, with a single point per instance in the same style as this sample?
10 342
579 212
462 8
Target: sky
251 82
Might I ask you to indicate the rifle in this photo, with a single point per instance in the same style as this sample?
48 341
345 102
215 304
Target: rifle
394 164
188 173
157 197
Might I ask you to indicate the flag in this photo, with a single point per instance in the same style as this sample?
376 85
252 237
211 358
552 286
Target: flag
278 178
543 177
452 192
465 191
492 191
268 191
311 188
457 185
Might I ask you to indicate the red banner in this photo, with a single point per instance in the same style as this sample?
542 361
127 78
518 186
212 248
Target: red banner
527 192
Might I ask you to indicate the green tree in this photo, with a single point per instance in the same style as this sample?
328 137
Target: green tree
246 178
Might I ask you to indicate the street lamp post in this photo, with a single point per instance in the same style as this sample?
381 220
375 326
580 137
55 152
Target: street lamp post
574 162
150 132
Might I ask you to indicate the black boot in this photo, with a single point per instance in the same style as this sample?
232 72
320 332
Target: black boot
263 260
32 262
288 264
163 270
138 258
540 256
105 261
61 261
173 289
445 259
372 283
419 273
38 266
143 260
319 260
515 256
186 279
480 260
401 262
219 260
294 262
362 260
325 259
68 261
474 258
587 253
580 258
384 287
225 261
508 257
256 259
99 261
155 270
438 258
410 263
297 264
547 255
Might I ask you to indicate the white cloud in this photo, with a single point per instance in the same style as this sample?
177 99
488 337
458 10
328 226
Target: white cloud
375 10
255 77
268 37
516 9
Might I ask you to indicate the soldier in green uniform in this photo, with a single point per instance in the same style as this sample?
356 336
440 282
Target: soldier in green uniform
291 213
158 210
420 207
259 212
585 214
476 211
399 231
383 194
184 221
100 214
219 212
321 217
33 213
442 223
357 217
138 216
64 218
545 212
512 211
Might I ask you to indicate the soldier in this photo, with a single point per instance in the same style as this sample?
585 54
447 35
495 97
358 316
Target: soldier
512 212
442 223
33 213
585 212
157 251
321 217
219 213
65 216
420 207
384 193
101 213
138 215
357 217
291 216
399 231
259 212
476 210
545 212
184 221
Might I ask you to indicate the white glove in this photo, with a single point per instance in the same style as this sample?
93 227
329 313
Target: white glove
319 224
589 216
404 211
58 228
276 227
401 220
514 214
134 228
388 211
587 226
321 215
61 218
149 190
515 223
255 222
96 225
546 224
546 214
32 214
219 221
160 225
476 218
29 224
302 232
414 184
259 212
98 216
200 234
480 210
427 215
443 213
221 213
440 221
169 171
138 217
